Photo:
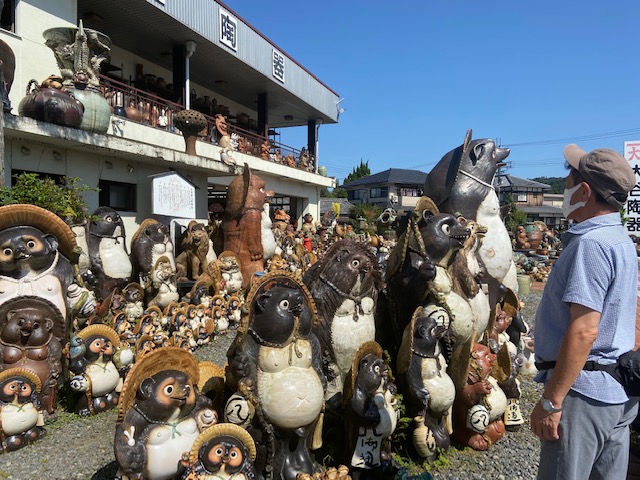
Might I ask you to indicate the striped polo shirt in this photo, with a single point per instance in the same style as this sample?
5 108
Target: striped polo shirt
598 268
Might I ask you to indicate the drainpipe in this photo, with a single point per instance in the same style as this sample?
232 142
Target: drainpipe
318 123
191 48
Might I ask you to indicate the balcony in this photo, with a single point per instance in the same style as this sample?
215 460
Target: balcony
149 109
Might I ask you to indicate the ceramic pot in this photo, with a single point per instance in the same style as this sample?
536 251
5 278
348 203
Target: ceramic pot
133 113
51 105
97 113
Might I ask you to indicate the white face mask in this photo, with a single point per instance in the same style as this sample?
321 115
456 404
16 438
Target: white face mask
567 207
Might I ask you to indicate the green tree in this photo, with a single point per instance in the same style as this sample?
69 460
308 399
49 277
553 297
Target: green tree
360 171
515 216
556 183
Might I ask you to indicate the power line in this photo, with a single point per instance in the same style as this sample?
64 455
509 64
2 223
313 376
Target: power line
580 138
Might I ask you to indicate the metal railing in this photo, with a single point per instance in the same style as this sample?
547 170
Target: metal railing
149 109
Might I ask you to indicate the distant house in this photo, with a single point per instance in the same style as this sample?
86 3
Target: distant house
398 188
533 198
326 205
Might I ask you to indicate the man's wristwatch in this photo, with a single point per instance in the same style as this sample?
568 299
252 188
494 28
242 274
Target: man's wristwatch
548 406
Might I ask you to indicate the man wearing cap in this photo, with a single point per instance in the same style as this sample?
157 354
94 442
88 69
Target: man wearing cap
587 312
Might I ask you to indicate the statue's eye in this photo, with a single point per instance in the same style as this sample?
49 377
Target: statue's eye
220 451
31 244
109 219
168 390
355 263
7 251
446 229
24 388
36 325
376 368
13 387
284 304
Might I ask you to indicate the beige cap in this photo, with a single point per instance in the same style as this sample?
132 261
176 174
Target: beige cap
605 170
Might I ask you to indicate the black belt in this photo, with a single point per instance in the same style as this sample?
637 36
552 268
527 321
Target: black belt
590 365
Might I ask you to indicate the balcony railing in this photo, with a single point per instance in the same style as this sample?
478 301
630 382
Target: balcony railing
150 109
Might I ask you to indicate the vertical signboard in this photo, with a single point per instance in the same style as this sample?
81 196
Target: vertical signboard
278 65
228 29
632 154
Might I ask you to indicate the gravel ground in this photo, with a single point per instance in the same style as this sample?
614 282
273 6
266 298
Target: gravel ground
77 448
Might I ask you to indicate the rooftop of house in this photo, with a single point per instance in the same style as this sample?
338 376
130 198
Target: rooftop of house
507 180
397 176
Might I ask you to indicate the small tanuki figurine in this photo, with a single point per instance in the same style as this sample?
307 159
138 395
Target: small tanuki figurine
28 327
93 354
371 413
422 373
21 416
223 452
345 286
229 264
160 415
275 364
480 404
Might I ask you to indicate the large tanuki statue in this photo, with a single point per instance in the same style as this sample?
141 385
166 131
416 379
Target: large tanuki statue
242 234
275 364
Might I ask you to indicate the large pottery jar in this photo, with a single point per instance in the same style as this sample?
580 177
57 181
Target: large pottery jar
97 113
51 105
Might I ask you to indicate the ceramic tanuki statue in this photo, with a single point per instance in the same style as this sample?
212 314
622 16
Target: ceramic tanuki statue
27 340
275 364
469 192
345 286
21 419
242 228
108 251
95 360
160 415
150 242
417 273
372 413
480 404
193 258
422 372
35 246
224 451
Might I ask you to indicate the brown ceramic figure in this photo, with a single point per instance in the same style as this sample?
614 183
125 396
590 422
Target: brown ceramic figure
194 250
427 388
372 413
190 123
275 364
95 361
21 418
345 285
28 328
242 228
480 404
35 246
224 451
160 415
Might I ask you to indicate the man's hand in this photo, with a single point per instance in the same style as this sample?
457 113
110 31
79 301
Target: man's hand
544 424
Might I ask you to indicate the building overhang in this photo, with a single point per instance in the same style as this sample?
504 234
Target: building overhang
212 65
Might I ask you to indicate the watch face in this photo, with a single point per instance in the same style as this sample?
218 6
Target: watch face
548 406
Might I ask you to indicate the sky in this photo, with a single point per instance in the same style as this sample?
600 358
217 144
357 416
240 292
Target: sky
416 75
